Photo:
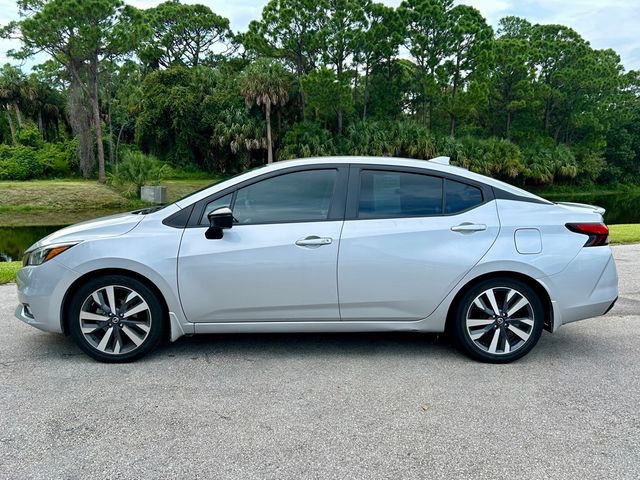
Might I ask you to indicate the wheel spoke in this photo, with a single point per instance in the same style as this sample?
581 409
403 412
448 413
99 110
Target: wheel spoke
105 340
477 322
510 295
141 307
118 342
526 321
494 341
480 304
479 334
93 316
111 298
492 301
507 347
135 338
520 333
523 302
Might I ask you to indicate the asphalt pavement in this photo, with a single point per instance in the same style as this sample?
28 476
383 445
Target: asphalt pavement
327 406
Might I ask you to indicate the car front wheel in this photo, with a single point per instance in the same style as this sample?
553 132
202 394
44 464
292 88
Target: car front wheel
499 320
115 318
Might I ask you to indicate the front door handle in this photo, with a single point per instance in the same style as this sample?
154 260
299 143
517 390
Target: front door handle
314 241
469 227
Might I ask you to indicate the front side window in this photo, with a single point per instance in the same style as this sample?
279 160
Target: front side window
303 196
386 194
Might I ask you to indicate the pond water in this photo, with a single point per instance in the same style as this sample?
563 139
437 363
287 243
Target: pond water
15 240
621 208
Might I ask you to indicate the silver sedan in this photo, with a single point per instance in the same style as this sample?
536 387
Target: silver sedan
347 244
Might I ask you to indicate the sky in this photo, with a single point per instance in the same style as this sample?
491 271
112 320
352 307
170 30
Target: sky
604 23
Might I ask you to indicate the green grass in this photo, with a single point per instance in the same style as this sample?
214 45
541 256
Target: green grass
8 271
63 202
624 233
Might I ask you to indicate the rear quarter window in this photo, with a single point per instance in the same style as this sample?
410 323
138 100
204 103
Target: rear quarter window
461 196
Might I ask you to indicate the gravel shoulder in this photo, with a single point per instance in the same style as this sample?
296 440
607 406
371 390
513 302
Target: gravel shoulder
327 406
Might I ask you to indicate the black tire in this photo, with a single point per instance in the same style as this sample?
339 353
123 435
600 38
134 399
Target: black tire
146 327
478 348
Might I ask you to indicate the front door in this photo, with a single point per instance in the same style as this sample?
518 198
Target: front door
278 262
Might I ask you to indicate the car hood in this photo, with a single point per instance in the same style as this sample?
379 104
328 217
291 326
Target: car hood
111 226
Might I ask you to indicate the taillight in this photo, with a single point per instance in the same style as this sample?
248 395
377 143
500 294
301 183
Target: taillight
598 233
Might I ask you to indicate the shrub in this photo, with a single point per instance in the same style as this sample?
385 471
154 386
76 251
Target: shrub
306 139
29 136
58 159
20 163
136 170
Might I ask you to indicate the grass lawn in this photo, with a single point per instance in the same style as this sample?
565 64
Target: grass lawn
8 271
624 233
63 202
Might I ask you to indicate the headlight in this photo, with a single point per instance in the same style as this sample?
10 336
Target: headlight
44 254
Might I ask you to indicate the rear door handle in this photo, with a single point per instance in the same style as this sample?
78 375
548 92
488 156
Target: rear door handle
469 228
314 241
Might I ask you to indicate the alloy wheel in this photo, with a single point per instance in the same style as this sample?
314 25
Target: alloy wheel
115 319
500 320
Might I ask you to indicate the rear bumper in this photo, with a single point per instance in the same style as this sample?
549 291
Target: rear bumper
587 287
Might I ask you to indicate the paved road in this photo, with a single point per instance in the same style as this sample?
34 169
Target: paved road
327 406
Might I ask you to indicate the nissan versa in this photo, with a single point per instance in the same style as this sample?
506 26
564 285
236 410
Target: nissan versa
348 244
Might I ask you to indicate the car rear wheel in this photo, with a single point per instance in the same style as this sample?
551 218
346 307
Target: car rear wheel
499 320
116 318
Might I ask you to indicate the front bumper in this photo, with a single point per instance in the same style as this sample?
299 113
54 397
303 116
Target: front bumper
42 289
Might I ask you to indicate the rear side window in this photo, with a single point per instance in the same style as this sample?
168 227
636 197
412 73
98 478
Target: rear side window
386 194
460 196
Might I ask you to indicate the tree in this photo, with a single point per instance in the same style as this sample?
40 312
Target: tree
80 35
183 34
467 68
266 83
427 25
326 95
378 42
513 72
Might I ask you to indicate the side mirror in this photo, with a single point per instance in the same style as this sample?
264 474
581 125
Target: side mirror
219 219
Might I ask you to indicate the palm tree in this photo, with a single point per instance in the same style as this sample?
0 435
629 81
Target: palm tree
266 83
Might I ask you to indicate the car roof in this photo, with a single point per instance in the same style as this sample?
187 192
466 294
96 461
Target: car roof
382 161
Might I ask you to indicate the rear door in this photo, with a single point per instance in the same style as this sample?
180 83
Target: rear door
408 238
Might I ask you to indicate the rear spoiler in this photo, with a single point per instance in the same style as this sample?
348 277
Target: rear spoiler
583 206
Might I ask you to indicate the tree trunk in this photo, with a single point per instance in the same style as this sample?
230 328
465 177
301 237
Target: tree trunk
452 126
111 157
547 114
508 128
41 125
11 125
118 144
366 93
18 114
96 118
339 120
267 110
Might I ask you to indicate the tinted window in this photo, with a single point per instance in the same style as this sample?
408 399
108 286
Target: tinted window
460 196
216 204
293 197
397 194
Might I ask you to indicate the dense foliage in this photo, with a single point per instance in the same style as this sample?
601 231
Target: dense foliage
527 103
